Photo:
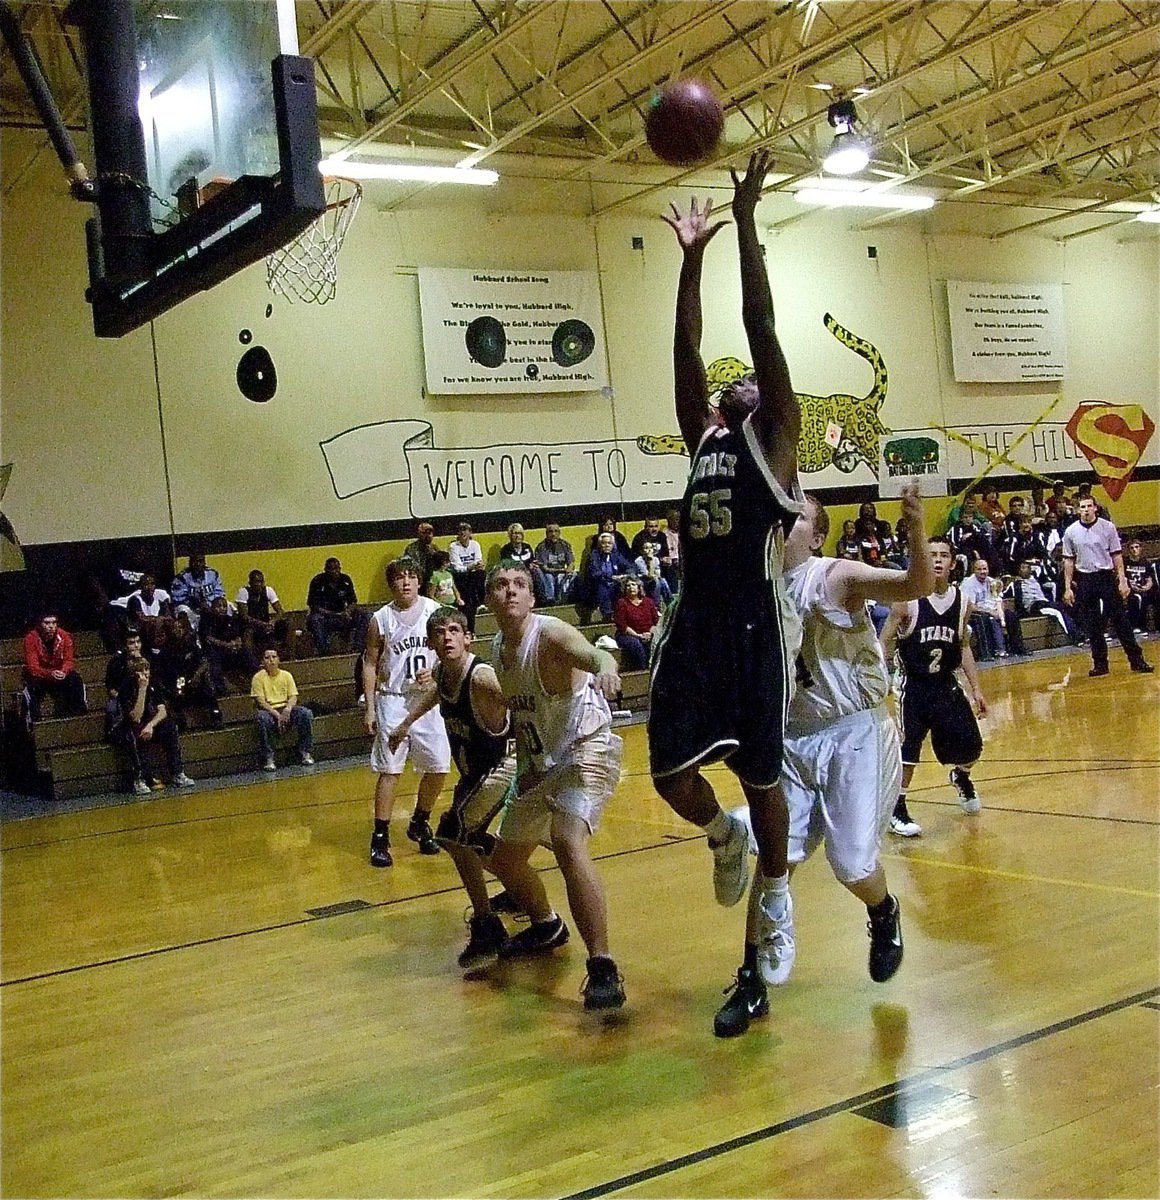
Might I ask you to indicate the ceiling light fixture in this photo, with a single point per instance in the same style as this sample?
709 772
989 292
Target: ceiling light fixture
408 172
846 198
847 154
1150 215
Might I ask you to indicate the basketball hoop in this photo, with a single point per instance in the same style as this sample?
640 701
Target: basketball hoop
307 268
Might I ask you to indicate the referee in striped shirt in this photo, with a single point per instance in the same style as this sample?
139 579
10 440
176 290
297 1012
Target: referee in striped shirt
1095 583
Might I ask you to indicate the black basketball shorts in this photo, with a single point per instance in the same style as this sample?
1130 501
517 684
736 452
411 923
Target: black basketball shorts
942 710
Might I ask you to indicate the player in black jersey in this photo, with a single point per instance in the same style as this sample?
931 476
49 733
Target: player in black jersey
475 713
721 665
933 639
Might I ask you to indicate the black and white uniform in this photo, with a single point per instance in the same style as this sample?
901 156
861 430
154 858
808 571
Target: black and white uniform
486 762
405 654
930 650
723 659
565 743
843 766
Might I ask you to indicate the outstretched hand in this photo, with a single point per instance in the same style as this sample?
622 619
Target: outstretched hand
747 191
912 509
693 231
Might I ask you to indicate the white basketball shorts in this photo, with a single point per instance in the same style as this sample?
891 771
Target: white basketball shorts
426 745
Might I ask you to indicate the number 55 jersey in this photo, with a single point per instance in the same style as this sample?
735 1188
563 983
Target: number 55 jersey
723 660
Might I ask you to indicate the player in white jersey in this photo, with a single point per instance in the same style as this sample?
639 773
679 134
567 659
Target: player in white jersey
557 686
842 761
397 658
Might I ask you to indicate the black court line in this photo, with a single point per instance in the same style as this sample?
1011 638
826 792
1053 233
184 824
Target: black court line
852 1102
1152 1004
314 915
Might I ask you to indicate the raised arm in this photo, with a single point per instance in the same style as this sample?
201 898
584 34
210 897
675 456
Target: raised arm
777 420
851 584
569 650
691 390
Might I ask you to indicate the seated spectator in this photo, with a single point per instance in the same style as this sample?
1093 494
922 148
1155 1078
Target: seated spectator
970 506
118 673
607 568
260 610
651 534
897 556
420 551
648 567
111 586
276 699
848 545
516 548
334 606
875 540
989 619
992 511
1058 497
221 637
608 525
1145 587
1037 509
1016 512
1052 536
1025 545
968 541
50 670
148 608
144 719
469 571
181 669
556 567
1029 601
636 617
441 584
195 589
672 572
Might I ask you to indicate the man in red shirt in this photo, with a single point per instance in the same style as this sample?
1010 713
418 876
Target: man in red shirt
50 669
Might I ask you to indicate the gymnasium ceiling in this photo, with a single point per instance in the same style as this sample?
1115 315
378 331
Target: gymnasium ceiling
1047 112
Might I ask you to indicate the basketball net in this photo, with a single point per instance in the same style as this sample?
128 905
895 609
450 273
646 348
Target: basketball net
307 268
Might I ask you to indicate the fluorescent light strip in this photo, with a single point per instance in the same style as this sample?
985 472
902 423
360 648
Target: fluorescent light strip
849 199
1150 215
408 172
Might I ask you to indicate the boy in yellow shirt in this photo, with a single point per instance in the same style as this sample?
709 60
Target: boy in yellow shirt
276 696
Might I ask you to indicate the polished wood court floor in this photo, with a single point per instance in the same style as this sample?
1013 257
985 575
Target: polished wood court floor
184 1013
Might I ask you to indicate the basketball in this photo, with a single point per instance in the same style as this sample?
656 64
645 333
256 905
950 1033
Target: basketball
684 123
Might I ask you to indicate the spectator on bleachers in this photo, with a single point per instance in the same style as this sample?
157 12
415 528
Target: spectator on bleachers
221 637
1144 595
1052 535
648 567
1016 511
607 569
848 545
970 506
276 700
989 619
672 533
650 534
145 719
1024 545
875 539
516 548
636 617
420 551
1037 509
333 607
263 622
1058 497
195 589
898 555
607 524
969 542
556 566
148 608
118 672
441 584
469 570
183 672
111 587
50 670
991 510
1029 600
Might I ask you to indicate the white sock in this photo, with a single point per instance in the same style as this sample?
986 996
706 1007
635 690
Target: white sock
719 827
774 894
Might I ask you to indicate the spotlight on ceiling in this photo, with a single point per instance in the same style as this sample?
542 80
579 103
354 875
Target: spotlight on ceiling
848 153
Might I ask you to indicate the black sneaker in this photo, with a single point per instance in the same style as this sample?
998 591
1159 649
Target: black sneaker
419 830
1142 667
604 987
538 937
748 1000
902 824
486 940
380 850
504 902
1096 672
885 943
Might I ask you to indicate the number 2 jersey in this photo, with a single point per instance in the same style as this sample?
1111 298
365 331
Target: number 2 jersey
930 642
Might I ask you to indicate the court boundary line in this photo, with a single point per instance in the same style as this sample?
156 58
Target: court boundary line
851 1103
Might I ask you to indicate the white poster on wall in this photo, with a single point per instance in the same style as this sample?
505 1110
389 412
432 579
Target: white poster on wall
912 456
1006 332
491 331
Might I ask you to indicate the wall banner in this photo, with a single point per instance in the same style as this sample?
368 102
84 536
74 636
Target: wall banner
1006 332
447 482
492 331
917 456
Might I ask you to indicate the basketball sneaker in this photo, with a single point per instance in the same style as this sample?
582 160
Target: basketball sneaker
504 902
485 940
539 937
776 948
141 788
885 943
419 830
380 850
902 824
731 863
604 986
749 999
969 800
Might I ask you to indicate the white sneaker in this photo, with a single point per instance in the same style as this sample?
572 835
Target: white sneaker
268 764
969 800
776 948
731 863
905 828
141 788
306 759
182 780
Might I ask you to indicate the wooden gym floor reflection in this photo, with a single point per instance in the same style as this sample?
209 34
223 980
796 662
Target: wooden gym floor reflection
177 1022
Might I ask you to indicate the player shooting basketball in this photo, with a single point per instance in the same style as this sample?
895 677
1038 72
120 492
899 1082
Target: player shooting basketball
722 668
